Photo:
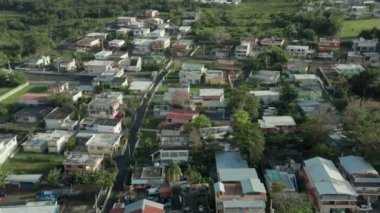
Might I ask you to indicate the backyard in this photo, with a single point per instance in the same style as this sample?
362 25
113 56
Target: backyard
352 28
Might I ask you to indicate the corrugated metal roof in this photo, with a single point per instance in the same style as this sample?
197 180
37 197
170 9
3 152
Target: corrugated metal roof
252 185
356 165
230 160
326 177
227 204
236 174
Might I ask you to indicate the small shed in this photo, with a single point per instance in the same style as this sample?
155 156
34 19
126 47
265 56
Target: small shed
25 181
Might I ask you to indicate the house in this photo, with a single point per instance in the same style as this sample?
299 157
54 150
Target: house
23 181
288 180
192 73
101 36
184 29
371 59
87 43
267 96
215 77
97 66
148 176
273 124
75 94
363 177
141 32
37 61
82 162
58 87
118 82
159 33
151 13
309 107
309 86
118 56
31 114
166 156
181 116
216 132
160 111
145 206
105 105
178 94
33 98
59 118
272 41
299 66
103 144
161 43
174 142
364 45
298 50
104 125
8 146
116 43
125 20
266 77
103 55
211 98
233 2
132 64
170 129
326 186
358 10
226 65
123 31
348 69
68 65
354 57
238 188
140 87
243 50
328 44
54 142
182 46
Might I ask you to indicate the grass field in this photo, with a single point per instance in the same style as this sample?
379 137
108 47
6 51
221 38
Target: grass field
33 88
5 90
352 28
24 162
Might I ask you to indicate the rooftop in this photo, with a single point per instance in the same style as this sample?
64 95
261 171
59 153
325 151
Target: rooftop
264 92
140 85
355 165
233 204
326 177
12 178
144 206
181 114
104 140
252 185
33 111
211 92
96 34
31 207
107 121
233 159
5 138
97 63
229 174
46 137
174 142
192 67
273 121
34 96
148 172
82 159
59 113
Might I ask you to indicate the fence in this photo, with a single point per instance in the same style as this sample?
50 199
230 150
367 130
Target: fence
13 91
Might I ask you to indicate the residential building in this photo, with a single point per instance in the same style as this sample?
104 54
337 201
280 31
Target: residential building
161 43
75 94
295 66
298 50
97 66
101 36
354 57
118 56
288 180
148 176
181 116
166 156
238 188
209 99
33 98
103 55
272 41
145 206
58 87
309 86
118 82
215 77
126 20
182 46
160 111
170 129
151 13
87 43
184 29
309 107
105 105
68 65
123 31
371 59
8 146
53 141
226 65
329 191
141 32
31 114
282 124
140 87
363 177
159 33
23 181
267 96
234 2
178 94
103 144
192 73
348 69
132 64
216 132
116 43
104 125
59 118
328 44
243 50
37 61
82 162
266 77
364 45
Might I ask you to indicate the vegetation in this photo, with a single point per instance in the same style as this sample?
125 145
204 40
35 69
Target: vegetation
71 143
242 100
173 173
100 178
33 88
293 202
271 59
316 129
200 122
366 84
53 176
353 28
12 79
60 100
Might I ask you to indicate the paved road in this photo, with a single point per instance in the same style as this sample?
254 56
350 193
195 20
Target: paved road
123 162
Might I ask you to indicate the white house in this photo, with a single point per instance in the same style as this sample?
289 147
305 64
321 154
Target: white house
157 33
56 140
167 156
8 145
103 144
140 87
298 50
161 43
216 132
132 64
141 32
364 45
103 55
103 125
59 118
266 96
116 43
243 50
267 77
192 73
105 105
97 66
142 45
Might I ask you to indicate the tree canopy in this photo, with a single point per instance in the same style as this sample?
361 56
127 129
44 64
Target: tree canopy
242 100
200 122
173 173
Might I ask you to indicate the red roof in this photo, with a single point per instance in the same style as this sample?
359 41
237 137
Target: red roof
144 206
33 96
181 114
211 97
165 192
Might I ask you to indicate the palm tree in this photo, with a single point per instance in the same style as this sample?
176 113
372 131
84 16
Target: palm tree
173 173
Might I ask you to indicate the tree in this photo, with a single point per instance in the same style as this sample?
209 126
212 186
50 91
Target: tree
3 110
291 202
173 173
242 100
316 129
54 176
100 178
71 143
366 84
273 58
241 118
249 137
201 121
17 78
354 116
193 176
60 100
220 35
277 186
323 150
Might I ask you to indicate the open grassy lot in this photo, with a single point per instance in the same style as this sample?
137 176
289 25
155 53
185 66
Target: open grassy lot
24 162
5 90
352 28
33 88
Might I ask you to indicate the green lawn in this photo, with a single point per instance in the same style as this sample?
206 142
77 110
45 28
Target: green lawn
33 88
24 162
5 90
352 28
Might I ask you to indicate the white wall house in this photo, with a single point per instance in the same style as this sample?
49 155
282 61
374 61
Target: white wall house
298 50
8 145
243 50
266 96
364 45
170 156
59 118
141 32
191 73
116 43
103 55
103 144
